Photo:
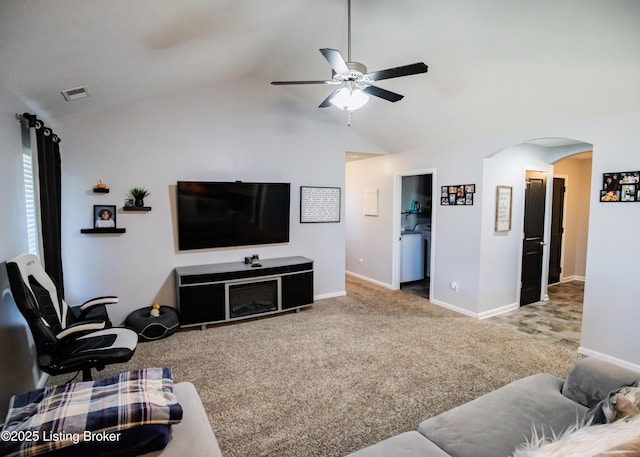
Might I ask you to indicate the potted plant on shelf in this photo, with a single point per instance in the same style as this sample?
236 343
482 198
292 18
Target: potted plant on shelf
139 194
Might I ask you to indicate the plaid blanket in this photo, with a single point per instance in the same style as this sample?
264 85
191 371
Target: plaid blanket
55 417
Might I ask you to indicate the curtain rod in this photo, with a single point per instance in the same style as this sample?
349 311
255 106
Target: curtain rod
47 131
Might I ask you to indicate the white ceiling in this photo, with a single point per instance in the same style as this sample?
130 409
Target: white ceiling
494 65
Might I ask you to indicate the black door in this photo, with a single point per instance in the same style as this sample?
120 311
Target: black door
557 230
533 242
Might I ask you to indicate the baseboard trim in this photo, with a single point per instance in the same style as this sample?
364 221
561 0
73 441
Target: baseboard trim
366 278
497 311
330 295
608 358
573 278
569 279
480 316
457 309
466 312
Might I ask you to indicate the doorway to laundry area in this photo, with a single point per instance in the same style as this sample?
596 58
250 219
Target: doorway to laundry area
413 220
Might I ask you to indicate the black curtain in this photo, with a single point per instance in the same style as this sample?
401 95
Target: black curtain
50 182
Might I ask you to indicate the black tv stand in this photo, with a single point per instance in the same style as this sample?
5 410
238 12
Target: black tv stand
224 292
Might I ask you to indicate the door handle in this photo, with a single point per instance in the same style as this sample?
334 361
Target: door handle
542 243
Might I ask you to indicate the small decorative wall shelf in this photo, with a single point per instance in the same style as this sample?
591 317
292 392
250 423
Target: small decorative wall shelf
101 188
136 208
95 231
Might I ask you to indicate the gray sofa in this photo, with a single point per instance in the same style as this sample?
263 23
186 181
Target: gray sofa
495 424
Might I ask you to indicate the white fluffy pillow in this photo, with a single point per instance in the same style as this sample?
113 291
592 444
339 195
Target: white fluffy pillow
619 439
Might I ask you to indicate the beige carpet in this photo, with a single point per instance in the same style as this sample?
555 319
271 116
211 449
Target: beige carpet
345 373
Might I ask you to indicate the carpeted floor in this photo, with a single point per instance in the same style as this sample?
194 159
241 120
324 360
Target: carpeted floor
344 373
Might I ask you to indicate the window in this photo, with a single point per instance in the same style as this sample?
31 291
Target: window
29 166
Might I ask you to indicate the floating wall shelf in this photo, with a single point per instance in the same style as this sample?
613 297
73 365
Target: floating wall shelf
136 208
101 190
95 231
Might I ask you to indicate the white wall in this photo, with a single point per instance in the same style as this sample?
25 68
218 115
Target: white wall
501 251
457 226
611 310
17 352
464 244
239 132
369 238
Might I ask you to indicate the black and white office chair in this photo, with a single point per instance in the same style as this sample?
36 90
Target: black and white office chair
65 340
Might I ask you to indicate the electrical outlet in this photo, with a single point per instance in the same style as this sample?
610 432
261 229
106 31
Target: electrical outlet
360 261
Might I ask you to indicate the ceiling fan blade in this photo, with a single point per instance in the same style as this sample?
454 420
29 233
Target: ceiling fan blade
383 93
396 72
336 61
327 101
284 83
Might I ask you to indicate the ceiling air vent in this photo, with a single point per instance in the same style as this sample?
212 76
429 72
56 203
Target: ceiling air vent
75 93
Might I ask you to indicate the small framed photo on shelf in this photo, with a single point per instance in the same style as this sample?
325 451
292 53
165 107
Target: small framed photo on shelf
128 202
104 216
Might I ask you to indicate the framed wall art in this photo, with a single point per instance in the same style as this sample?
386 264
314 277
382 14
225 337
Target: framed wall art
104 216
370 202
459 194
319 204
621 186
504 201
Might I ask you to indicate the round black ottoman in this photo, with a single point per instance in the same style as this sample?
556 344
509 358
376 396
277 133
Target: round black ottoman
153 328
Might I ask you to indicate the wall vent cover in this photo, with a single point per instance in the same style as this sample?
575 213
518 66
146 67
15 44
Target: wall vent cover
75 93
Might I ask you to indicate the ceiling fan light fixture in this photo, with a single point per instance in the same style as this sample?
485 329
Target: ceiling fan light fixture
349 99
353 76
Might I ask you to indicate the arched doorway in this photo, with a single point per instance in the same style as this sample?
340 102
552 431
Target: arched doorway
566 219
566 162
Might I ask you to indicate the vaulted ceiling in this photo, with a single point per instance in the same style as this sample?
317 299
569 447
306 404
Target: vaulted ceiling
494 65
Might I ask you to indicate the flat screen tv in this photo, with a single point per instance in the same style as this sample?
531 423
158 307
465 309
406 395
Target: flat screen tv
224 214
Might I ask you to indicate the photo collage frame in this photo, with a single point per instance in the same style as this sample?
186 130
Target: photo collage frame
460 194
623 186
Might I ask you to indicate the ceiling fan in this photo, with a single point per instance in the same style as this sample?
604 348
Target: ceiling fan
356 83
